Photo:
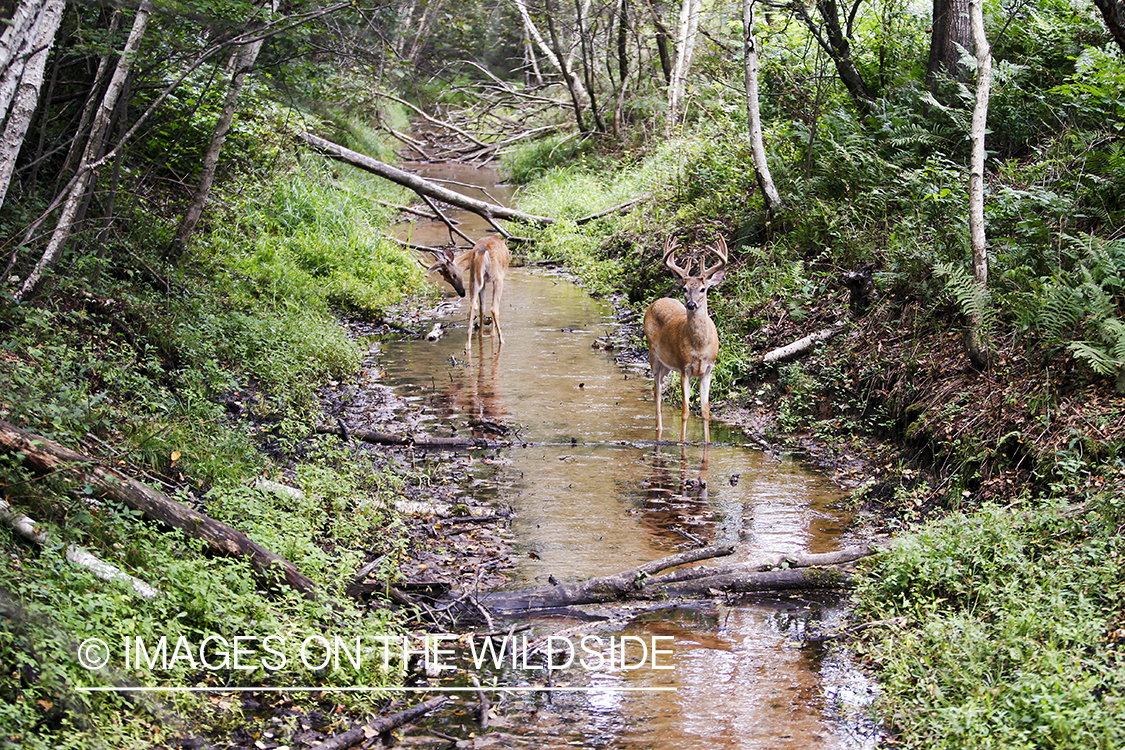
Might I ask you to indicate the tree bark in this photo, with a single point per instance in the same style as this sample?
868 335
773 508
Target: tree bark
802 345
836 45
24 48
976 341
951 33
94 147
1113 13
242 61
662 37
754 113
556 58
685 50
33 532
48 456
419 185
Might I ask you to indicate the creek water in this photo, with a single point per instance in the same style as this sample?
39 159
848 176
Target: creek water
593 494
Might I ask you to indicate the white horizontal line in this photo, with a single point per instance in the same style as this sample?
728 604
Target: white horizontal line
263 689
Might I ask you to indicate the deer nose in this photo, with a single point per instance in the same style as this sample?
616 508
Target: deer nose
691 305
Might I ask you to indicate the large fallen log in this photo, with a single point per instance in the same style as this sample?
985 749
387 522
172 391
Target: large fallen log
49 457
419 185
803 571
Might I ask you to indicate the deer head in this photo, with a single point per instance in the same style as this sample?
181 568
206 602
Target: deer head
445 264
695 287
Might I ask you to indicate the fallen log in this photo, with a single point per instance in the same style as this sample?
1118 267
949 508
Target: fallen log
769 562
419 185
623 585
379 726
31 531
49 457
800 346
805 571
386 438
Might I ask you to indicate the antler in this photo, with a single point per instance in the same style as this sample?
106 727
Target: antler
671 245
721 251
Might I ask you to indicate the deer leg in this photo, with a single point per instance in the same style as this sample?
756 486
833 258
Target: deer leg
705 404
497 291
658 372
473 298
685 384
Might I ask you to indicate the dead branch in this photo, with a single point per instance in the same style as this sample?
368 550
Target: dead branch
49 457
75 554
800 346
805 571
595 590
379 726
613 209
384 438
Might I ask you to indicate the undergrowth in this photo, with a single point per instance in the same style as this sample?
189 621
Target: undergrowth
197 388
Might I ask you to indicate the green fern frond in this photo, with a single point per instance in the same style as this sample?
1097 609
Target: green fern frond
972 298
1097 357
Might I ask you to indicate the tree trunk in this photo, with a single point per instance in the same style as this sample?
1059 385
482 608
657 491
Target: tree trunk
1113 13
49 457
24 48
836 45
951 33
685 49
379 726
81 187
242 61
586 47
662 37
554 55
976 340
754 113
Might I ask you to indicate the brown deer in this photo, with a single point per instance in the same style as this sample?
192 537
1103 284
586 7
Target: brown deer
485 263
683 337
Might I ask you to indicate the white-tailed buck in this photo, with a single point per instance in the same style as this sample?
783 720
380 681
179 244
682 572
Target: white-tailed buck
485 263
683 337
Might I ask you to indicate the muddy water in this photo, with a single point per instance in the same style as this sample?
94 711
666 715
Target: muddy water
594 495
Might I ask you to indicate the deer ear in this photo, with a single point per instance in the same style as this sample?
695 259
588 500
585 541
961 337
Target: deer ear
716 277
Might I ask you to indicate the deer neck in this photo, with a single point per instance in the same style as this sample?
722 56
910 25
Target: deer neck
698 324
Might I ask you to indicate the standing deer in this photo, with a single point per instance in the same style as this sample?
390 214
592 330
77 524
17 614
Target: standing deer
683 337
486 263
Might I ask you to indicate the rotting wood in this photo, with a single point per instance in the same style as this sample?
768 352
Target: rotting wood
800 346
622 585
379 726
49 457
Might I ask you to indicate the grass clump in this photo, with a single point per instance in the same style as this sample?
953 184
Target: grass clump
1009 632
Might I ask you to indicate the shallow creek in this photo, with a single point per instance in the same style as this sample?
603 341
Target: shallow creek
593 495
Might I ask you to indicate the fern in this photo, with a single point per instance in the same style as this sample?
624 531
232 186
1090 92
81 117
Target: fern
972 298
